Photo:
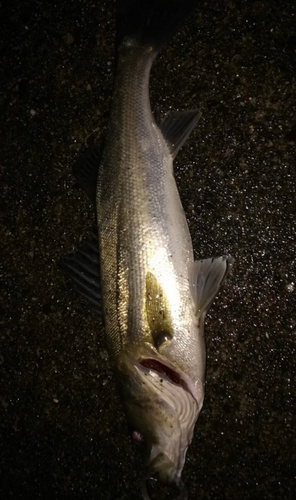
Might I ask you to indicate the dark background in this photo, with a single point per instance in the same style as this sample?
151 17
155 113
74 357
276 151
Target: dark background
64 435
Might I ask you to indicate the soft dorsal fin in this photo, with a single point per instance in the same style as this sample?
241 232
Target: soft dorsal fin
176 128
206 277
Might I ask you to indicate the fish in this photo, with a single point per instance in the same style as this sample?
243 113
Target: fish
138 268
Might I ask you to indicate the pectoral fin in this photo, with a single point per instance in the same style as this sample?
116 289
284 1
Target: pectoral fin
206 278
158 312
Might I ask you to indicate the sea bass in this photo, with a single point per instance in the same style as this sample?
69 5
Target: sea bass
155 295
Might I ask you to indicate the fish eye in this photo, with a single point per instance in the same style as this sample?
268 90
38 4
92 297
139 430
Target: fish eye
138 438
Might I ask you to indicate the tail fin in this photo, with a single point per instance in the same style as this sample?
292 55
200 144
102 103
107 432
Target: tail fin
151 22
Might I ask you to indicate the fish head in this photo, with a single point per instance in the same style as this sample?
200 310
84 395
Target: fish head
162 407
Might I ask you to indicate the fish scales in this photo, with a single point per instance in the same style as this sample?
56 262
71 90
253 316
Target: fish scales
139 204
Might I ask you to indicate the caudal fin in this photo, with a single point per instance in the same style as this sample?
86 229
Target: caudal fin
151 22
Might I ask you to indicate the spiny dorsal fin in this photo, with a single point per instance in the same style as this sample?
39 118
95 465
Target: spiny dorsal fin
206 277
176 128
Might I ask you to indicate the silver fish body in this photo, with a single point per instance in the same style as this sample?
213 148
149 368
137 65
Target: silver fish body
142 226
155 296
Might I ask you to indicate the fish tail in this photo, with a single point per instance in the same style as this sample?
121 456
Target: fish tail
151 22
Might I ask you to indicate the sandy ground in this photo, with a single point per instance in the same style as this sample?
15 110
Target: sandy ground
64 435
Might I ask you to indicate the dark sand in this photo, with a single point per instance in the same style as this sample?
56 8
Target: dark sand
64 435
